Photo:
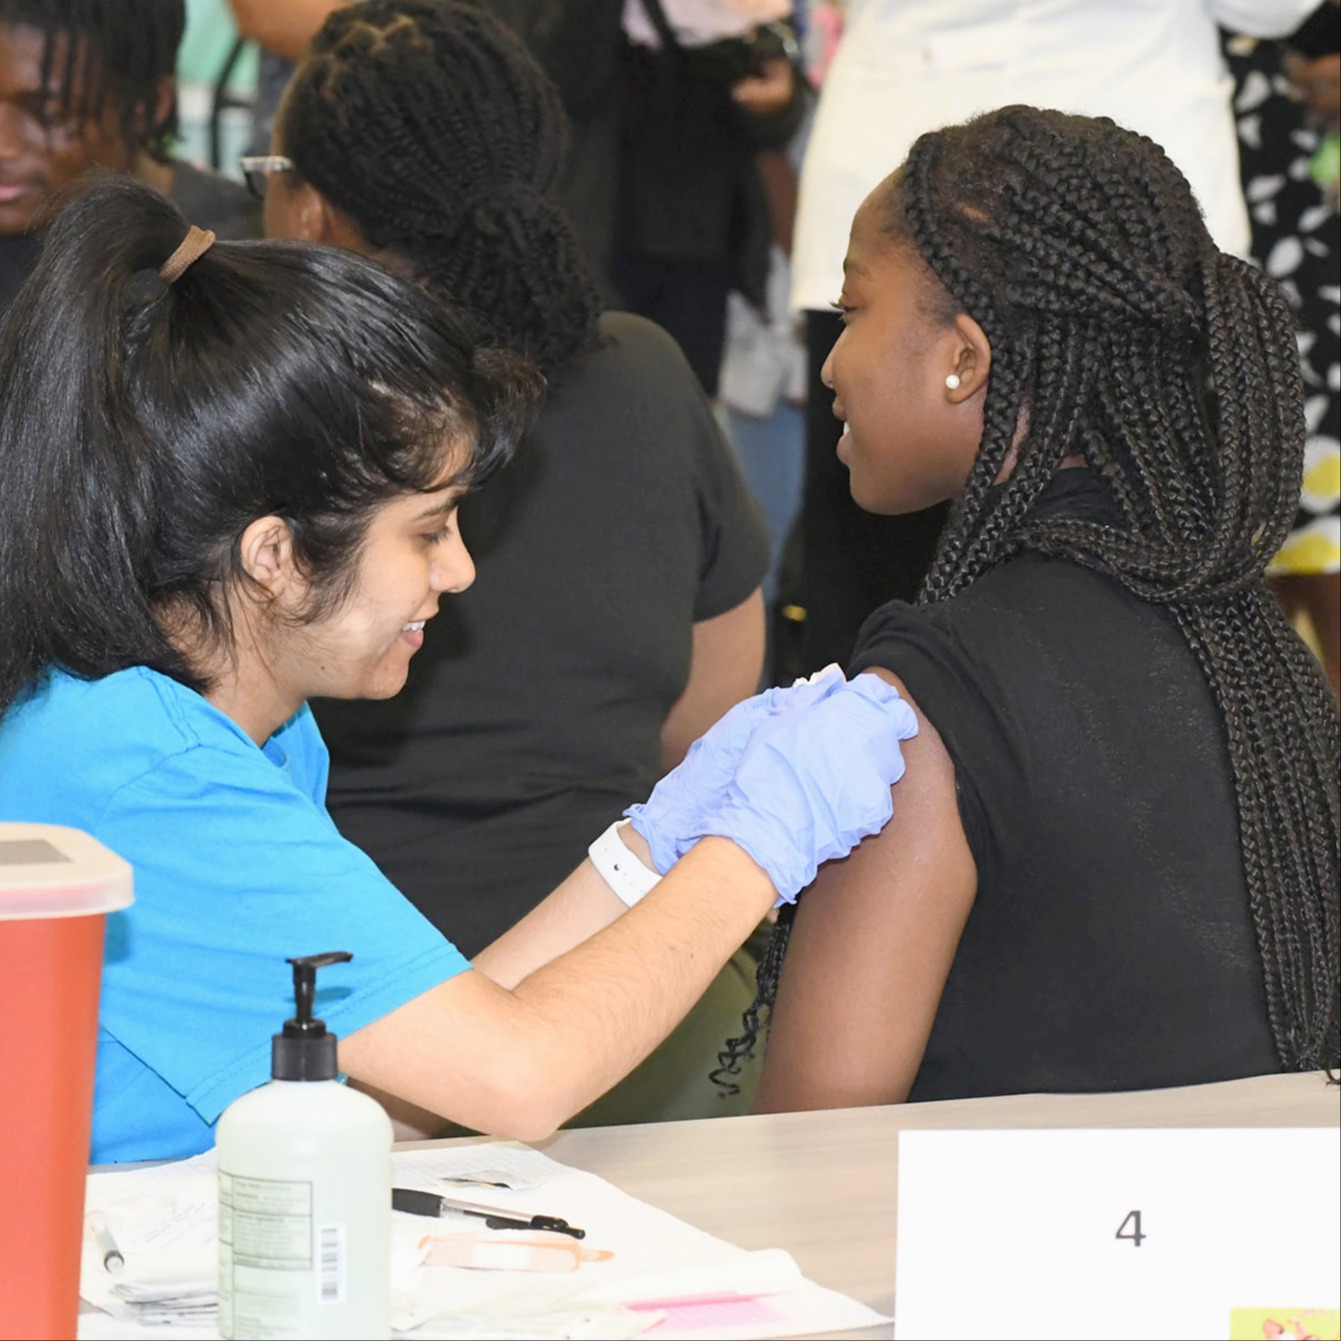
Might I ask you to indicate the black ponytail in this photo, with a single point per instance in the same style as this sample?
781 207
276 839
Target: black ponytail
144 425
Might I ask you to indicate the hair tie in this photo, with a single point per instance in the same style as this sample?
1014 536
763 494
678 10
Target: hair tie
191 248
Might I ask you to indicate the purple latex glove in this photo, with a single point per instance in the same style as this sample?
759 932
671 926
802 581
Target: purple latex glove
810 785
671 819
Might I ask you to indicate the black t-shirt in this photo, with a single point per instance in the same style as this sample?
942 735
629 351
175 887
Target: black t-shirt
18 257
208 199
533 711
1110 945
211 200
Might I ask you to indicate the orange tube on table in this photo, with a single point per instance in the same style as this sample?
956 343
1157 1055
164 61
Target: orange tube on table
539 1250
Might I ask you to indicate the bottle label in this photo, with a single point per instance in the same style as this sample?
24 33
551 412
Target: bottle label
274 1263
331 1277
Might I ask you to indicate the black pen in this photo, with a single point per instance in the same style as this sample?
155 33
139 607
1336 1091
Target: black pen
430 1203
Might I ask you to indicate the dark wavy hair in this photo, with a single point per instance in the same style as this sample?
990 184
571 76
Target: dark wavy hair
144 426
1172 367
432 128
122 49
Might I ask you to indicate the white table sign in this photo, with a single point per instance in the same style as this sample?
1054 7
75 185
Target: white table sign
1118 1233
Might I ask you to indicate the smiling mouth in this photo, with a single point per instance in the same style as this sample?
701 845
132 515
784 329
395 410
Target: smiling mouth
414 626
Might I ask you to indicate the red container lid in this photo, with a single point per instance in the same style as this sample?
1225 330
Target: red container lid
48 870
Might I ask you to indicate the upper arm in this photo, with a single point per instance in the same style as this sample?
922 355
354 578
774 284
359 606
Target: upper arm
257 873
725 665
730 549
871 948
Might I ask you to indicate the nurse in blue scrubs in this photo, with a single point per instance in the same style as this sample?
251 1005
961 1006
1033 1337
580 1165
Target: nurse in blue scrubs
231 475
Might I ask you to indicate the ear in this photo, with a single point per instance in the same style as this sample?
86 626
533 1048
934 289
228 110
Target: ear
266 554
971 359
309 212
338 230
164 98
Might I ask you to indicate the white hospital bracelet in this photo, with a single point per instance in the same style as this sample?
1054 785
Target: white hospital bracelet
619 868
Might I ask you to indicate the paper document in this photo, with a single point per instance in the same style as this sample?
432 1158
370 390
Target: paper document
642 1272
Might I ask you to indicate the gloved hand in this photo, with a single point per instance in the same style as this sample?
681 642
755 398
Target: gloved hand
810 785
671 818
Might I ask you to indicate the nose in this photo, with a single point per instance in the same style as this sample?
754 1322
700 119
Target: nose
826 372
453 569
11 132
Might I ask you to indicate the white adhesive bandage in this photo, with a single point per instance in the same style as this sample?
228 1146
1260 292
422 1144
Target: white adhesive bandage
619 868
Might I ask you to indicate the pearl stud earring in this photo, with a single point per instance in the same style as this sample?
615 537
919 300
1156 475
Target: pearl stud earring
952 381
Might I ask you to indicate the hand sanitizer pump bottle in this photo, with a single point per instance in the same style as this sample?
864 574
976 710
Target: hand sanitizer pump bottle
304 1193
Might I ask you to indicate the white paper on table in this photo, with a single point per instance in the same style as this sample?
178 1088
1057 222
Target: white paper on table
104 1327
665 1279
164 1220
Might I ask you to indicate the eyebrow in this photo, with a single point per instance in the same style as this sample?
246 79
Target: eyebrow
441 509
854 267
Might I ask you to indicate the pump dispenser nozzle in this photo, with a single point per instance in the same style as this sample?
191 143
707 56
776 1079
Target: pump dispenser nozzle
305 1050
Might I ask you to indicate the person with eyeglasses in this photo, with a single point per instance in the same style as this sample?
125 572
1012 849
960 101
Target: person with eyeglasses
258 169
84 86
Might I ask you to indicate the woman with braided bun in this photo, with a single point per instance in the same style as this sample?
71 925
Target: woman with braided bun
1115 860
617 611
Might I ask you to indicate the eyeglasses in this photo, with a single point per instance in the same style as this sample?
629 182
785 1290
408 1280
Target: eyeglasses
257 169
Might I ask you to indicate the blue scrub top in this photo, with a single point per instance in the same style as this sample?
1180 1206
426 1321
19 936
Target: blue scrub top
237 866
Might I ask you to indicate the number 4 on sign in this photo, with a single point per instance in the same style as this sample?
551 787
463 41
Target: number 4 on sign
1130 1229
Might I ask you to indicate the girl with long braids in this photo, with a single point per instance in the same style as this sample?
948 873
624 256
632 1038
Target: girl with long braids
617 612
1115 859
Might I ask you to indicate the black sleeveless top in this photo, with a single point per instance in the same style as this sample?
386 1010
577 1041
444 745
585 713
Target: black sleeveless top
1110 945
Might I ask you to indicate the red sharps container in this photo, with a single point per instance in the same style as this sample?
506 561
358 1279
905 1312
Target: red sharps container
57 886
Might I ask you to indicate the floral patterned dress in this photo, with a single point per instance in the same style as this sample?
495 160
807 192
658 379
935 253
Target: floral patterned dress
1295 239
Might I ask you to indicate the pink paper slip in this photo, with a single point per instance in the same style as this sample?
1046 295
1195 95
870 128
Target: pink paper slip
711 1314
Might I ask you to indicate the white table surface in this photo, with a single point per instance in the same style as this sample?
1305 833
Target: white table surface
822 1185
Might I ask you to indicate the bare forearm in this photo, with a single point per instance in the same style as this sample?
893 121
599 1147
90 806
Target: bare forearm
1261 18
580 907
284 27
646 970
519 1062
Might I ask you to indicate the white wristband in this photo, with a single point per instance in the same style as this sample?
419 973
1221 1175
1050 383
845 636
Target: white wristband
619 868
